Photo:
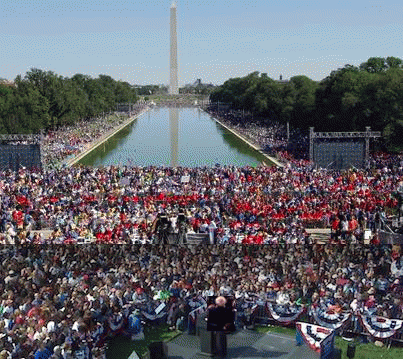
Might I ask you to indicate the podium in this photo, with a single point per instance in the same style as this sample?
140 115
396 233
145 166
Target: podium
213 343
207 346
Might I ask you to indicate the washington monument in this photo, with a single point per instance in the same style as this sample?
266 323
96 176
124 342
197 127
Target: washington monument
173 83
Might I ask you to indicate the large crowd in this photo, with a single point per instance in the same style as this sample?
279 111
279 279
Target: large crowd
251 205
63 301
271 135
267 134
67 141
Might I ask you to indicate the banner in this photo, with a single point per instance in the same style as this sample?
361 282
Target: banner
185 179
380 327
329 318
318 338
285 314
153 317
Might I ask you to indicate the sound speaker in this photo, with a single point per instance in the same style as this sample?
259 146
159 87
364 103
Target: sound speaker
350 351
158 350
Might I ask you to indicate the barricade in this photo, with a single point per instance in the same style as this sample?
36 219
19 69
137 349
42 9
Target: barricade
195 239
390 238
378 328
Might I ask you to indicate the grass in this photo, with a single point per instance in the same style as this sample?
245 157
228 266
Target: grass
362 350
121 347
168 98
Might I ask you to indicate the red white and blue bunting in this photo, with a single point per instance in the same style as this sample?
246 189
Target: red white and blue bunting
153 317
380 327
318 338
285 314
329 318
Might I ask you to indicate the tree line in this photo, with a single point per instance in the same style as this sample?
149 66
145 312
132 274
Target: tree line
349 99
45 100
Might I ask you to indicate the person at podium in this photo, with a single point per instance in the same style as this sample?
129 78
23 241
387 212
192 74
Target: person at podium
220 317
220 321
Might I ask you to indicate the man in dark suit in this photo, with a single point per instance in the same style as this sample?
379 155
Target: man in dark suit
220 319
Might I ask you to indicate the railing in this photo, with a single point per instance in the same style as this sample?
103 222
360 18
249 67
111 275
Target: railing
390 238
353 326
195 239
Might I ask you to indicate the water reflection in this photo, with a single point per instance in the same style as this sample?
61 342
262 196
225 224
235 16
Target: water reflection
174 130
157 139
100 156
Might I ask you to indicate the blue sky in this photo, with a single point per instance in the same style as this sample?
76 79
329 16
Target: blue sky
217 39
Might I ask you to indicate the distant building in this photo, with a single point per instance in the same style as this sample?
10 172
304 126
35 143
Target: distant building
282 81
197 88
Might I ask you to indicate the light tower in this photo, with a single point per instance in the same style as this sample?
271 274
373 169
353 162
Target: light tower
173 83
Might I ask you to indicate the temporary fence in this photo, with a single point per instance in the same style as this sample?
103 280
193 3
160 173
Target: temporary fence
319 339
197 238
390 238
358 323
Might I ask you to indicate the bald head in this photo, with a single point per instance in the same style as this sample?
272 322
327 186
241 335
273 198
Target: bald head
220 301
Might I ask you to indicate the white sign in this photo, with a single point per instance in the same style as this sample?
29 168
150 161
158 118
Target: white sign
185 179
159 308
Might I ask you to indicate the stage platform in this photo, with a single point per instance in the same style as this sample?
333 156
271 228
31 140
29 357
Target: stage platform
243 344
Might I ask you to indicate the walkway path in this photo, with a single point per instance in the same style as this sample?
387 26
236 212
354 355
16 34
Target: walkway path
97 142
243 138
243 344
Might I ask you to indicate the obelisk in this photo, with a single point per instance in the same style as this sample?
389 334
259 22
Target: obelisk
173 83
174 129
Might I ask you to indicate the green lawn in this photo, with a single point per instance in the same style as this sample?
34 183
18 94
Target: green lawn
121 347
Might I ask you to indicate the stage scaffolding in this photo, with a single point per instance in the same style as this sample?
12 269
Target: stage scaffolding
340 150
20 150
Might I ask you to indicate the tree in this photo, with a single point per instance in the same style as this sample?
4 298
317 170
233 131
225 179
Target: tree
390 97
289 95
394 62
24 110
340 99
374 65
349 99
304 100
124 92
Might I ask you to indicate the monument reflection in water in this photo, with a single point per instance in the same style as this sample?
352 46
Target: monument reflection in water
174 130
164 136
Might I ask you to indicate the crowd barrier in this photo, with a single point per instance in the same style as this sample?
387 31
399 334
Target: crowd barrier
351 323
390 238
196 239
252 312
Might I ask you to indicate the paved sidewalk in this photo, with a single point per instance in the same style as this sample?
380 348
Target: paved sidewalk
244 344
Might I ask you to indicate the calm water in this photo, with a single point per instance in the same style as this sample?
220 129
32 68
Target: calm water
174 137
